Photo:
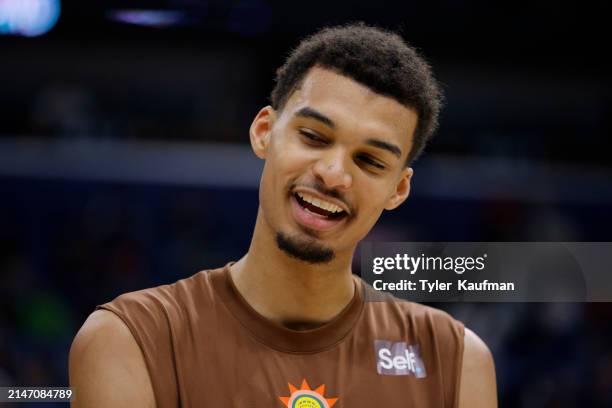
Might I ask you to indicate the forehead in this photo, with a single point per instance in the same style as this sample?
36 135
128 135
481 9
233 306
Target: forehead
350 104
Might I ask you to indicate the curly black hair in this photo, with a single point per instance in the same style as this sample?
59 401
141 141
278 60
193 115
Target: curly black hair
376 58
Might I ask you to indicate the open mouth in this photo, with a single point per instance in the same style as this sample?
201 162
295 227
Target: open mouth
319 207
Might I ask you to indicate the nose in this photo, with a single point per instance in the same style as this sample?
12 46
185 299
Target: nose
332 171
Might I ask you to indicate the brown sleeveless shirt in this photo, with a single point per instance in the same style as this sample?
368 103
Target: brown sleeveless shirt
204 346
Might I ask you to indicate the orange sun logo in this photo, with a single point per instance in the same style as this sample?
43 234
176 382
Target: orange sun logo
305 397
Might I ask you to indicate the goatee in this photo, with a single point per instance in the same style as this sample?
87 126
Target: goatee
304 250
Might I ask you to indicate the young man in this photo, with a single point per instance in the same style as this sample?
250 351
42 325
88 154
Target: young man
288 325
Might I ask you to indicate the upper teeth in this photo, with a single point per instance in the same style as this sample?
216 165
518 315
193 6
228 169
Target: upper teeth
327 206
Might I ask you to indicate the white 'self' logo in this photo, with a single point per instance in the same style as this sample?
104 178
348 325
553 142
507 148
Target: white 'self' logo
398 359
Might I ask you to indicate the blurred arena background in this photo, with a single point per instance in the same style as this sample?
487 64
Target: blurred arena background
124 160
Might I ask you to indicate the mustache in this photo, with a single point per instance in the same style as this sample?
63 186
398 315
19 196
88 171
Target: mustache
320 188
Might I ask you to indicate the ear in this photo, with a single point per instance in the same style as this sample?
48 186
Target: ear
260 131
402 189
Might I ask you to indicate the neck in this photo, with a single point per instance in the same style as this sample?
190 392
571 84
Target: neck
288 291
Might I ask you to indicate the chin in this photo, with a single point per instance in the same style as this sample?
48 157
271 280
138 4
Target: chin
308 250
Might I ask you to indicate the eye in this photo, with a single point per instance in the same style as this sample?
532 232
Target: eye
312 138
370 161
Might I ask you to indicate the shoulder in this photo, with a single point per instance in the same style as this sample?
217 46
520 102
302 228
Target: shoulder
127 345
469 369
155 316
106 365
478 384
157 305
476 349
439 332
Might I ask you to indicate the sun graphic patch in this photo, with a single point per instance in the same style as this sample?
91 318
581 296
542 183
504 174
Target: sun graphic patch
305 397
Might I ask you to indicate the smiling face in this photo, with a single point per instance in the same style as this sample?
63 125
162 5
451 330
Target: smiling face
335 159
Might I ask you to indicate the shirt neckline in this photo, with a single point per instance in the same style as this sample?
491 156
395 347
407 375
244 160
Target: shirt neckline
279 337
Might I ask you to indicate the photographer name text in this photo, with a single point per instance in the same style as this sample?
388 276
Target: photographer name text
428 286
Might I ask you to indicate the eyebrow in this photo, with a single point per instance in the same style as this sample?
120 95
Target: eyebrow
307 112
386 146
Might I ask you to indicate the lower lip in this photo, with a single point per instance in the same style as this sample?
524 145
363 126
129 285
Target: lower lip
310 220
